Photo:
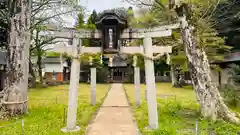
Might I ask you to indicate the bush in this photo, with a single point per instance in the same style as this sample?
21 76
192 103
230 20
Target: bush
231 96
169 107
102 75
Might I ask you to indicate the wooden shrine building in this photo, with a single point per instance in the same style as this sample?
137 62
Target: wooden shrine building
111 24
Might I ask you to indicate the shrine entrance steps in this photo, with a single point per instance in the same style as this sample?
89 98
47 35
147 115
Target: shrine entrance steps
114 116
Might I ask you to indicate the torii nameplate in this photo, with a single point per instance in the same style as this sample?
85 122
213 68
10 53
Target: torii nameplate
71 49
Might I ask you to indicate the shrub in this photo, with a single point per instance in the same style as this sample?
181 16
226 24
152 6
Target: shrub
231 96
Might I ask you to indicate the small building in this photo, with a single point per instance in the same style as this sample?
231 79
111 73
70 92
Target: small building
56 69
221 77
118 69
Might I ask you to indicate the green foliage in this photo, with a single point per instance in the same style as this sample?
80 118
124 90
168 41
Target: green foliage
180 60
231 92
231 95
89 25
80 21
91 20
140 60
207 36
130 12
96 59
235 74
227 21
102 74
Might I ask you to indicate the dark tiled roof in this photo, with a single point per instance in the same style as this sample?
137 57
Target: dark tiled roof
233 57
119 61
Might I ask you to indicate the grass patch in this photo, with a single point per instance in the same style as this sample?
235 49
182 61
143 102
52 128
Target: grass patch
46 110
176 117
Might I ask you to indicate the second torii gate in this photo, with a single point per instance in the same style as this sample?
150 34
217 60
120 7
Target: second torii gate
147 51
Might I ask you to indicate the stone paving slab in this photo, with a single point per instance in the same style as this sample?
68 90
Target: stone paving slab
114 116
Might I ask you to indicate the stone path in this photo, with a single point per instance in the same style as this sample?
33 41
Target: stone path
114 116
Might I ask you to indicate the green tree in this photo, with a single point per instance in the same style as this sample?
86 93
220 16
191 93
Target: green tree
80 21
160 14
38 49
194 23
200 45
227 19
91 25
231 93
92 19
16 83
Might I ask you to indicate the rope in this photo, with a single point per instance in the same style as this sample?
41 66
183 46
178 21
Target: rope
154 57
21 102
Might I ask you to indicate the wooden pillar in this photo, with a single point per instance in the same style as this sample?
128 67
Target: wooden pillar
151 86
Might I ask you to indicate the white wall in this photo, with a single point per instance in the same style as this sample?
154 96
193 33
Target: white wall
53 67
224 76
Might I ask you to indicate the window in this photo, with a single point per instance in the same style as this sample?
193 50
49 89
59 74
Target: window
159 73
167 73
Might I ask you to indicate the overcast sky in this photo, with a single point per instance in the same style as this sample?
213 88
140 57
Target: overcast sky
98 5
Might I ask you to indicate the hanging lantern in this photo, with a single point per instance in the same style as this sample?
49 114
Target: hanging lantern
135 61
110 62
101 59
168 59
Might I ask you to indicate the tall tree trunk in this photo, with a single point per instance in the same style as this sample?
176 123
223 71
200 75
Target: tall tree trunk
177 77
32 73
39 57
39 64
181 79
211 103
16 84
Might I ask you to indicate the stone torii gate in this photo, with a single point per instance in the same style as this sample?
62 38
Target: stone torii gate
147 51
111 47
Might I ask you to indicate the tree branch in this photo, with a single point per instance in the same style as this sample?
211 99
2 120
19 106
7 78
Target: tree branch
47 18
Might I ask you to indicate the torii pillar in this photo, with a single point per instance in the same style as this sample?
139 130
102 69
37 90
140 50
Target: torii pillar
150 82
73 89
93 75
136 80
149 68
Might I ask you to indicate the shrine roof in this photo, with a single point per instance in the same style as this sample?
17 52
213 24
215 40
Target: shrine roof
119 14
119 61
